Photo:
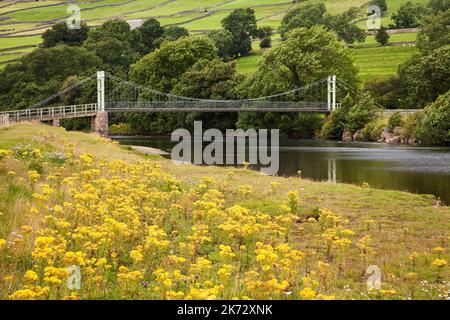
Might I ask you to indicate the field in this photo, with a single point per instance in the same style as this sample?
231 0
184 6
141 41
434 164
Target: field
136 227
23 22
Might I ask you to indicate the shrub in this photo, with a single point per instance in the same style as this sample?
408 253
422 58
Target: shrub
266 42
395 120
372 130
382 37
121 129
361 113
411 124
434 127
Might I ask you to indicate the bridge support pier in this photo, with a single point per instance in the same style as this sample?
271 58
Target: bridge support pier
55 122
4 120
99 123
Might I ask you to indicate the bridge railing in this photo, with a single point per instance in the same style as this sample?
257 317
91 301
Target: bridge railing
214 105
50 113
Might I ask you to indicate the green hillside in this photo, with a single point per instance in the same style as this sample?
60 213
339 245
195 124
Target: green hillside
22 23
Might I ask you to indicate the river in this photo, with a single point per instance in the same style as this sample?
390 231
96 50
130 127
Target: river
417 169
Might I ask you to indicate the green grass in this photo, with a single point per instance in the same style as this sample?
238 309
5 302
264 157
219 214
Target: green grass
395 37
16 42
380 62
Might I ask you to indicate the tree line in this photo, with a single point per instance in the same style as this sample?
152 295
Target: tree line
169 59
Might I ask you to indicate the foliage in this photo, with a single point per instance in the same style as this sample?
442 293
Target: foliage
391 92
162 69
223 40
302 17
435 124
60 34
316 14
382 37
39 74
380 3
362 112
437 6
408 15
242 25
427 75
112 42
337 121
306 55
150 32
434 31
372 130
395 120
345 27
265 43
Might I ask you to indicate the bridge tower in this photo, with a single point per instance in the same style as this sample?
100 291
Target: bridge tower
331 93
99 123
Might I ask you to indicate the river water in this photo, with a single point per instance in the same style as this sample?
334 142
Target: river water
418 169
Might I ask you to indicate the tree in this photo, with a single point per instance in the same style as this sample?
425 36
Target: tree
112 43
426 76
361 113
242 25
163 68
305 16
174 32
381 4
437 6
345 27
408 15
60 34
391 92
213 79
150 31
39 74
223 40
265 43
382 37
434 127
434 31
305 56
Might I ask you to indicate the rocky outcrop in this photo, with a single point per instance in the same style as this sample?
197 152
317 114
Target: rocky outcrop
347 136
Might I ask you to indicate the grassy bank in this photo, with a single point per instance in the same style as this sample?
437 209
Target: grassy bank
201 232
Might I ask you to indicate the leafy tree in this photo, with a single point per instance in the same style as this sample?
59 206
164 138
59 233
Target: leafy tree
150 31
434 31
40 74
60 34
391 92
264 32
395 120
345 27
213 79
434 127
408 15
163 68
305 56
337 121
265 43
223 40
361 113
112 43
242 25
174 32
437 6
382 37
427 75
380 3
304 16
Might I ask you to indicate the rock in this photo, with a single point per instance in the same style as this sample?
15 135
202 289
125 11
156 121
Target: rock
357 136
346 136
389 137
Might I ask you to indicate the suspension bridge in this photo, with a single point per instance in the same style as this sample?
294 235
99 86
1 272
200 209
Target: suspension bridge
117 95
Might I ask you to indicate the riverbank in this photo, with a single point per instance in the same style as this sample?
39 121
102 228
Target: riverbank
205 207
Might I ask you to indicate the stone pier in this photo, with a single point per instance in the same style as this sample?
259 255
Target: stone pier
99 123
4 120
55 122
